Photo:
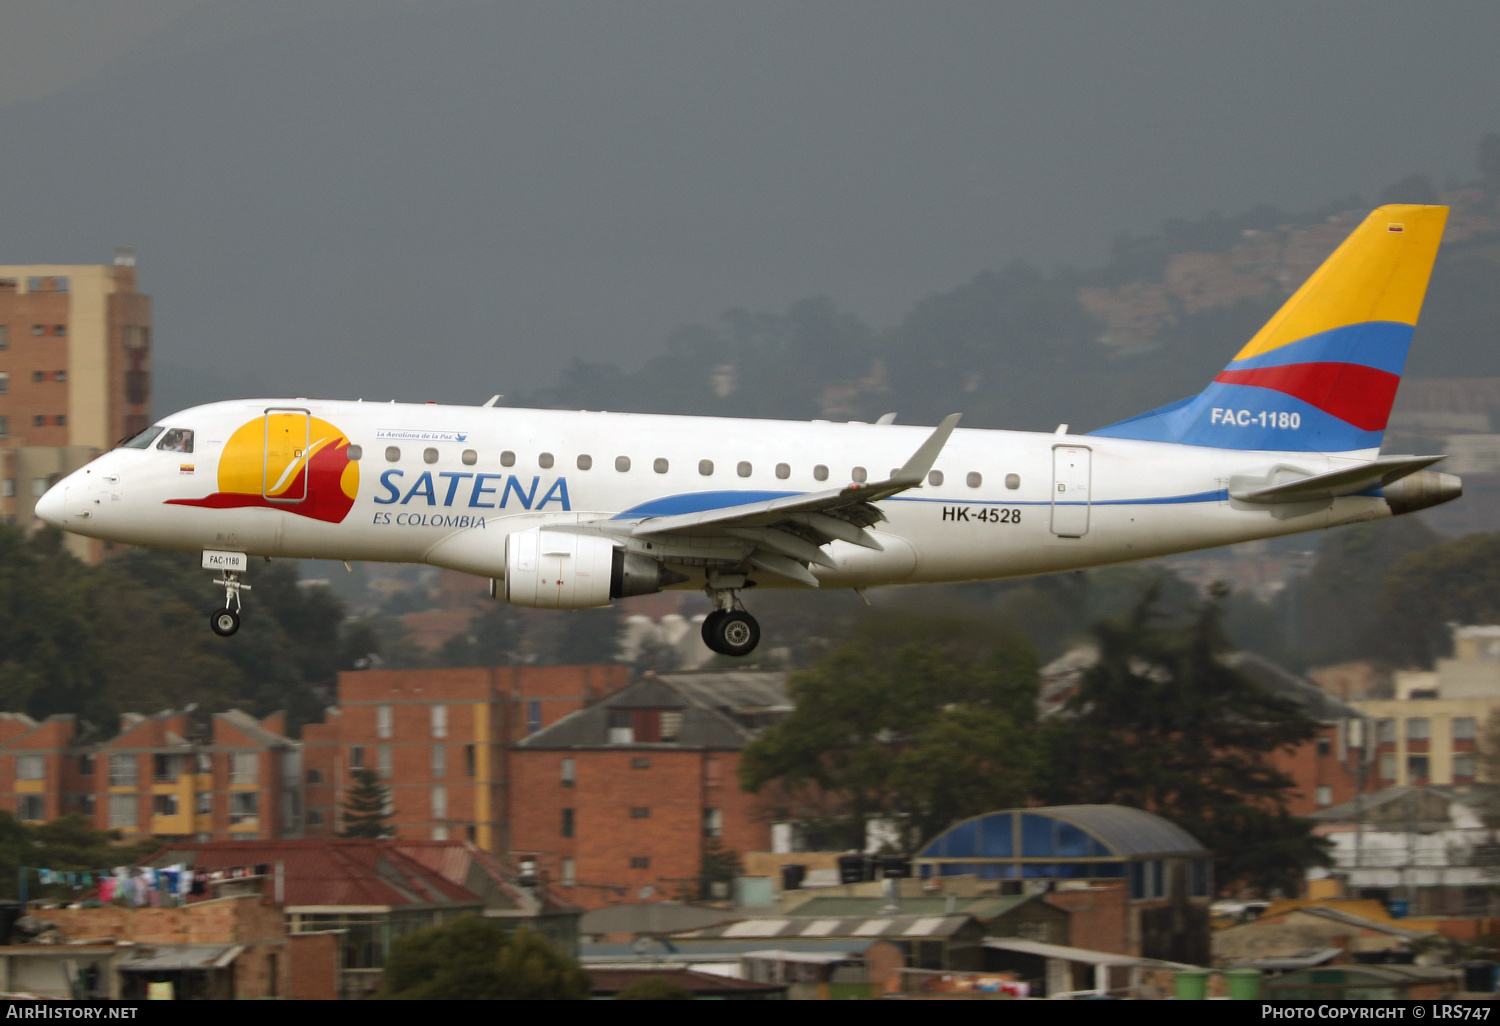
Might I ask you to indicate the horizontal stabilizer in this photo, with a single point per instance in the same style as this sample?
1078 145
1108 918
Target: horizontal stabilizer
1289 484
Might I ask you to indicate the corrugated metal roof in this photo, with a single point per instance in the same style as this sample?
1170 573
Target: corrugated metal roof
1030 947
183 956
857 926
980 908
651 918
1126 832
704 723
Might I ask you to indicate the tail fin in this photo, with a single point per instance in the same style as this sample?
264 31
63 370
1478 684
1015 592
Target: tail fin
1322 374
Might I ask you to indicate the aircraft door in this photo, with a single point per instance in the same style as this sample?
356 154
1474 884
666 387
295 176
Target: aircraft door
1070 490
284 471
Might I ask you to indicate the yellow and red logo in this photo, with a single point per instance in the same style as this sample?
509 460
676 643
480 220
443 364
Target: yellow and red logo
287 460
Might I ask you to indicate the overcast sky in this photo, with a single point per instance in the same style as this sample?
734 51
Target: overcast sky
446 199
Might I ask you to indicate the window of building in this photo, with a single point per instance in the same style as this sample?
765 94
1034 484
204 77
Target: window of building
439 762
61 420
392 453
122 772
122 812
37 376
440 833
164 805
820 473
1416 768
568 772
640 862
31 767
706 467
439 720
61 375
383 762
640 812
533 716
429 455
974 480
469 457
1324 796
383 718
1199 877
1323 746
84 804
357 756
713 771
4 384
86 765
176 440
621 727
643 762
1418 728
670 725
30 807
203 804
507 458
743 469
5 433
1464 728
314 817
713 822
469 757
315 776
355 453
1388 766
439 803
1465 766
585 462
566 827
166 767
545 461
39 421
38 331
622 464
1385 732
244 806
244 768
568 873
8 488
4 337
660 466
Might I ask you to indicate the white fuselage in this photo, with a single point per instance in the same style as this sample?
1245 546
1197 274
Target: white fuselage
1039 503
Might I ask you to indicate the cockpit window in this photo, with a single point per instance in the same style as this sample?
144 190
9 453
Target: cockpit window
176 440
144 439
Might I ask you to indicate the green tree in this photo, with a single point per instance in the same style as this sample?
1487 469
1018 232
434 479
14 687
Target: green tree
367 810
1455 582
654 988
718 865
68 845
926 720
477 959
1161 723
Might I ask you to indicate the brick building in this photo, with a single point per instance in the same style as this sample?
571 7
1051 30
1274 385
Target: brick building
178 774
616 801
75 373
440 740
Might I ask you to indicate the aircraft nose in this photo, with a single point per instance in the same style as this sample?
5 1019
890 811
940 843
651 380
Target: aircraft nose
49 508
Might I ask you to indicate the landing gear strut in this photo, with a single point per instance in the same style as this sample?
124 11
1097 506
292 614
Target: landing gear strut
729 629
225 620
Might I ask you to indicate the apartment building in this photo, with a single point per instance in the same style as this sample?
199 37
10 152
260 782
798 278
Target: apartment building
75 373
440 740
617 801
178 774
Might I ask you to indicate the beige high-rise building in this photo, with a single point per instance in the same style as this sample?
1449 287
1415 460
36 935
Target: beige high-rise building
75 373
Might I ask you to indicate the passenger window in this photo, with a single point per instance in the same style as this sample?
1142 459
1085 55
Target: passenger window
660 466
585 462
470 457
935 478
622 463
1012 481
706 467
859 475
354 452
176 440
544 461
392 454
507 458
144 439
820 473
974 479
429 455
783 471
743 469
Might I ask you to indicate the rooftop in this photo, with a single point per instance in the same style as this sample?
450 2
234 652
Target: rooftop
1063 831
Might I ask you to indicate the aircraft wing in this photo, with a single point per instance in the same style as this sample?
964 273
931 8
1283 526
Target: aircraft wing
790 531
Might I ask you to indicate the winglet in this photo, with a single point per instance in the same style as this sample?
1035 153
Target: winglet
922 460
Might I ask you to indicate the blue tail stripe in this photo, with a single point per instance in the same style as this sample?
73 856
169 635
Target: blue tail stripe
1379 344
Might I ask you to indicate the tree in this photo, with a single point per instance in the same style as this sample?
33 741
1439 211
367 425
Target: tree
719 865
1455 582
1160 722
68 845
654 988
477 959
367 809
926 720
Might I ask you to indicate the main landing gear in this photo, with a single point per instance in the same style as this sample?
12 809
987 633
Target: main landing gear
729 629
225 620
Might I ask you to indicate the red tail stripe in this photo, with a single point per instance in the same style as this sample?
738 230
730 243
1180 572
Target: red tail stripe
1352 392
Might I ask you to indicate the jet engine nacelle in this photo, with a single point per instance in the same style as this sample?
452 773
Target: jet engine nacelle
562 570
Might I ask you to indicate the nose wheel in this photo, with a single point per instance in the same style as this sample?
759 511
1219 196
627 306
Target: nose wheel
225 620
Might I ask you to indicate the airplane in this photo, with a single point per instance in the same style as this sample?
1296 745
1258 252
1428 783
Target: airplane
570 510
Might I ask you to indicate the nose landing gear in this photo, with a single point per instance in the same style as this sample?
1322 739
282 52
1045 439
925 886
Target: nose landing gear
225 620
729 629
